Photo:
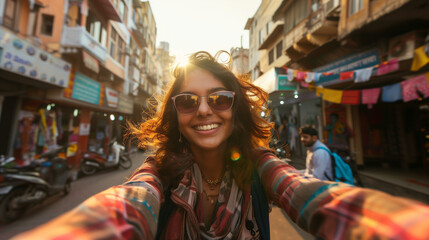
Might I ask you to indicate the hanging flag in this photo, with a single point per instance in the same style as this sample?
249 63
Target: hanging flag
310 77
331 95
290 74
370 96
412 85
327 73
388 67
317 76
346 75
304 84
319 90
420 58
391 93
351 97
363 75
300 76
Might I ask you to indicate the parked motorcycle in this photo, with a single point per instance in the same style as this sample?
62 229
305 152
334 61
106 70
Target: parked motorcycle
117 156
282 149
23 187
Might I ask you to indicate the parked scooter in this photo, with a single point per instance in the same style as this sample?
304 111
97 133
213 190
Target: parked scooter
22 187
93 161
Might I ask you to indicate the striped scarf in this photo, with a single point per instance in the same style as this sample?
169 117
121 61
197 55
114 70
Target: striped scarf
227 212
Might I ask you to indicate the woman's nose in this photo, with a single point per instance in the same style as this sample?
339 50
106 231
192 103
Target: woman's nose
204 108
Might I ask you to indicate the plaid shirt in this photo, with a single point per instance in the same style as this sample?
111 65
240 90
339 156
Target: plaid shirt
328 210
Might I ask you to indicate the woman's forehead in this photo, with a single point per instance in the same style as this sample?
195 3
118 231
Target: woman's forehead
199 80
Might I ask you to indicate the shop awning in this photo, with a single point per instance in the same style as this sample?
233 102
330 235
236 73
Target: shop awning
274 80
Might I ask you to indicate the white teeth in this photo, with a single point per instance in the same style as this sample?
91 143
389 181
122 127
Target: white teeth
207 127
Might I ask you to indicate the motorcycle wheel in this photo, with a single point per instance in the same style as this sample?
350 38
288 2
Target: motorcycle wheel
8 211
125 162
87 169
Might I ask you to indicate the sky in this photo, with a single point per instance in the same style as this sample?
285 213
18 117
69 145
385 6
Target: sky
202 25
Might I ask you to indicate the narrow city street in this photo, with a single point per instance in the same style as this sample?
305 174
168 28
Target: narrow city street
281 226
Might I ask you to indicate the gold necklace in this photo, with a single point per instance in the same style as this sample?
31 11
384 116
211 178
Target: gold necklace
213 182
210 198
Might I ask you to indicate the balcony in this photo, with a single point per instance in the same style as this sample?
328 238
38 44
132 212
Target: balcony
78 37
273 36
139 34
107 9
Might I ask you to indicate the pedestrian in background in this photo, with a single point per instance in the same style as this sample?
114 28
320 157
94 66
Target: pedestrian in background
212 178
318 161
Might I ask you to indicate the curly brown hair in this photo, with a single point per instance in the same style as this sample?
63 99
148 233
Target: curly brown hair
250 131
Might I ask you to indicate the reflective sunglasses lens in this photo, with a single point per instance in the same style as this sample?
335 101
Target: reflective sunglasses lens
186 103
221 101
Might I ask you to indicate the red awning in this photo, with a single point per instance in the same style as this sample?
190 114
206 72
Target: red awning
107 9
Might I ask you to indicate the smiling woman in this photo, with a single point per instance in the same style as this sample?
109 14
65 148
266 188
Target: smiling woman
211 177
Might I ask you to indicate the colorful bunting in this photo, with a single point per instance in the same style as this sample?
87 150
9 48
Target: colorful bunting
319 90
351 97
346 75
300 76
412 85
363 75
420 59
370 96
388 67
391 93
331 95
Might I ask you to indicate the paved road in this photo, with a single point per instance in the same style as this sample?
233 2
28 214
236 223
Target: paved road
280 226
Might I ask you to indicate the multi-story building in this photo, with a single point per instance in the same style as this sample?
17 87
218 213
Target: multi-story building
239 60
66 68
339 40
166 61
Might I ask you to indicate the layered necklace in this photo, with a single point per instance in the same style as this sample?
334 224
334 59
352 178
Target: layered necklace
212 182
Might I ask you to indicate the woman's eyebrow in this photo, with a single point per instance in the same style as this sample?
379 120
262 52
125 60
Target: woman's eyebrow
217 89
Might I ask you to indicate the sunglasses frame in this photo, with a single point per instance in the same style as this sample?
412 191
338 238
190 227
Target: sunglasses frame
199 101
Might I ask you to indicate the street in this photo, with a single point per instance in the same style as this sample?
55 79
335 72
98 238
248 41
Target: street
280 226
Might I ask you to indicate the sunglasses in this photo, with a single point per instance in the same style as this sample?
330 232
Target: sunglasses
189 103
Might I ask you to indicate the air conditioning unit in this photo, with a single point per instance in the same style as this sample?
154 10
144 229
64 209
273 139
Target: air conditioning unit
331 5
402 47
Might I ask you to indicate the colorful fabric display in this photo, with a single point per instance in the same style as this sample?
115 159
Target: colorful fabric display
412 85
290 74
351 97
304 84
346 75
310 77
420 59
391 93
363 75
300 76
388 67
370 96
319 91
333 96
327 73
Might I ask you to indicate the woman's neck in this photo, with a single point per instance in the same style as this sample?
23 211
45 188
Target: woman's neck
210 162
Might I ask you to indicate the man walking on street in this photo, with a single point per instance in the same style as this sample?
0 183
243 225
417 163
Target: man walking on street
318 161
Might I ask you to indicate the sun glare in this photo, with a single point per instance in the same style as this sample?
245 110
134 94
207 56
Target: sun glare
181 60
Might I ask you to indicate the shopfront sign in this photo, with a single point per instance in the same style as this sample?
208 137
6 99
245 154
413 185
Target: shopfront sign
85 89
112 97
362 60
23 58
285 84
125 104
90 62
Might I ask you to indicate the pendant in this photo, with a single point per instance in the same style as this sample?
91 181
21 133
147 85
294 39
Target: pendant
211 201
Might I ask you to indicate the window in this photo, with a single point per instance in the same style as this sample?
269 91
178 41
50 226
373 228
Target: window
271 56
355 6
96 28
113 36
295 14
120 49
47 24
268 28
279 48
9 18
261 35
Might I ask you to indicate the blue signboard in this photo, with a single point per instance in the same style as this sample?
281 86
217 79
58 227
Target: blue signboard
356 61
85 89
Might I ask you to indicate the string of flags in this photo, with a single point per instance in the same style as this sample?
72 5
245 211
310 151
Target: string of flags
407 90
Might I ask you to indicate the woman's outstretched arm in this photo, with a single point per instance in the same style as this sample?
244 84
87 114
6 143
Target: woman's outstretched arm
331 210
127 211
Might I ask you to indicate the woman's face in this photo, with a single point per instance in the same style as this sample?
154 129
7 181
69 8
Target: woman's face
205 128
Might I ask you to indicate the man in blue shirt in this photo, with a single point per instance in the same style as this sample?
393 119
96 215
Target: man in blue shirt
318 162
